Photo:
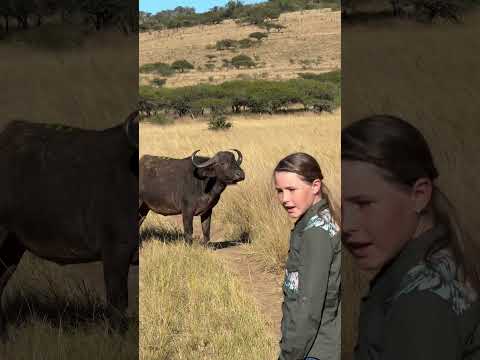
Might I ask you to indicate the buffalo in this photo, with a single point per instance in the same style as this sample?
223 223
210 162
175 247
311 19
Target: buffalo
191 186
69 195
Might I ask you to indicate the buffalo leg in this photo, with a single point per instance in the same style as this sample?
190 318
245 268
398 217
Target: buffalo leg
187 217
206 220
116 263
11 252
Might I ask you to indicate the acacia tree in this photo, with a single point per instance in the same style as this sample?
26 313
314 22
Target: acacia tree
5 12
21 11
182 65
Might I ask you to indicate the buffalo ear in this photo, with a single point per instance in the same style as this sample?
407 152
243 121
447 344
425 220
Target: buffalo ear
208 171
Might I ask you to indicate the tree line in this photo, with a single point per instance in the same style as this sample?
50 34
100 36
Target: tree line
99 14
315 92
421 10
258 14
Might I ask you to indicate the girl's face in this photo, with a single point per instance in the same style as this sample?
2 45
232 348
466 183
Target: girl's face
295 194
378 217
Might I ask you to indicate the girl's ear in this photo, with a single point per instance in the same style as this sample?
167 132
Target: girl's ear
422 193
317 186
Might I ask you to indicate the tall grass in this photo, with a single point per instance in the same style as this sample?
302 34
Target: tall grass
56 313
191 308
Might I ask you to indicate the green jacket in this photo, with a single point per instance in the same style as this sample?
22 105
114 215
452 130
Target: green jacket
311 323
417 310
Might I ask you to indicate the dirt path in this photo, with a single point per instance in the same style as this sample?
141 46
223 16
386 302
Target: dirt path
264 287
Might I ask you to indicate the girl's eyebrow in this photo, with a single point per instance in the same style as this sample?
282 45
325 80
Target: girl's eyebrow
354 198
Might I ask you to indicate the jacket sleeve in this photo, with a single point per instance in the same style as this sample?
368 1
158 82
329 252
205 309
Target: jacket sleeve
307 310
422 326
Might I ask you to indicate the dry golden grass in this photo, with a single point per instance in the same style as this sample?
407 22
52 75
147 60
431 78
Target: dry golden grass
87 87
251 206
309 35
429 76
190 308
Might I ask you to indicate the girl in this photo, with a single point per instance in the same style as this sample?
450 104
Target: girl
398 225
311 322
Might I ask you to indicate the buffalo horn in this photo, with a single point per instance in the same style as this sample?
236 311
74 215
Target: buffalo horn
240 157
204 164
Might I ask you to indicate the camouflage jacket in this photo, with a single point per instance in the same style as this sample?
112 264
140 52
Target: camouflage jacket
311 322
417 309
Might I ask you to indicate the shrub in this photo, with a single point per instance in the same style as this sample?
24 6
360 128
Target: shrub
182 65
219 122
245 43
209 66
226 63
159 82
269 26
258 35
242 61
160 68
226 44
323 105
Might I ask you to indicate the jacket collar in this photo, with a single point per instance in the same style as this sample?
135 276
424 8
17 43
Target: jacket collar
312 211
388 279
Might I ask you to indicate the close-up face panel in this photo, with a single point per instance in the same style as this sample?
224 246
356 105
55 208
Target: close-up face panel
409 151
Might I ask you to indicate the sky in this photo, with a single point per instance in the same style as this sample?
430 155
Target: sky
154 6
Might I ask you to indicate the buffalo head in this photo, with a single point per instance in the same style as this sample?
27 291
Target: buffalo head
222 165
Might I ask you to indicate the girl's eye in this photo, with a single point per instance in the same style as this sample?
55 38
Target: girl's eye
364 203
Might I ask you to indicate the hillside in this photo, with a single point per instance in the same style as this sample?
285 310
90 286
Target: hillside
310 42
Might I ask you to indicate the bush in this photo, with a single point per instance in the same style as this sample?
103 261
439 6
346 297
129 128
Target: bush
245 43
209 66
159 82
323 105
258 35
219 122
269 26
242 61
226 44
182 65
160 68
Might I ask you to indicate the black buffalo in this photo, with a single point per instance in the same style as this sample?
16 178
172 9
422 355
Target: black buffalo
191 186
70 196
